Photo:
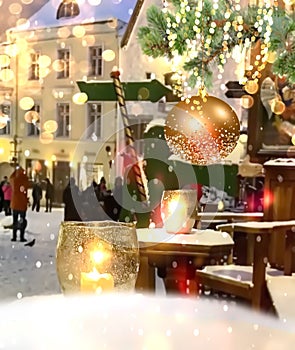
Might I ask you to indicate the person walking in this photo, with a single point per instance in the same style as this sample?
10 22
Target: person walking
49 195
7 193
1 193
37 196
19 202
72 199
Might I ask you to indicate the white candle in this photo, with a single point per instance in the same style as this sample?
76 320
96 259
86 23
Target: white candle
95 282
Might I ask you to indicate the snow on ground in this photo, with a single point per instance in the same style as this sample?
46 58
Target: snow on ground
27 271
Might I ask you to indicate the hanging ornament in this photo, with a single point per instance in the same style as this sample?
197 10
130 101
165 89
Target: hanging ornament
202 131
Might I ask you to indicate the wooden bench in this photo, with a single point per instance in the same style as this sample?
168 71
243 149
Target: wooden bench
249 282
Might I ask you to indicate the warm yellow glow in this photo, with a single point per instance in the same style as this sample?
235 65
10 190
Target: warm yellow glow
271 57
63 32
108 55
95 282
4 61
246 101
26 103
44 72
79 31
6 74
88 40
50 126
11 50
277 107
251 87
53 157
1 150
46 138
3 121
293 140
23 22
44 61
15 8
31 116
22 45
58 65
80 98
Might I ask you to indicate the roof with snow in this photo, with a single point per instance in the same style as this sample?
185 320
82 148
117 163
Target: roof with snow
103 10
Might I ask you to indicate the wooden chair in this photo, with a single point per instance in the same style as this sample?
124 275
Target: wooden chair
249 282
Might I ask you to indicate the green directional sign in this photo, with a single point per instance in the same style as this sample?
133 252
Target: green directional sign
134 91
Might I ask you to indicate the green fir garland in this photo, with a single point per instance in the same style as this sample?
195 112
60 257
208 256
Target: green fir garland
154 41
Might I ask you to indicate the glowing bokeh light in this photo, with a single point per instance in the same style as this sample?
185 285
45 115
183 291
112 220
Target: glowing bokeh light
15 8
26 103
80 98
6 74
246 101
4 61
58 65
31 116
50 126
79 31
46 138
251 87
44 61
108 55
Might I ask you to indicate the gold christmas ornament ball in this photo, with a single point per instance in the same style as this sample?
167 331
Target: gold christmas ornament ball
202 132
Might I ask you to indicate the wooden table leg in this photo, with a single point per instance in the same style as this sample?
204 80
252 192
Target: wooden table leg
259 265
146 277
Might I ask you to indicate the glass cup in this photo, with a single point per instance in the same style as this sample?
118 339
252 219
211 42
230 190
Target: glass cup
97 257
178 210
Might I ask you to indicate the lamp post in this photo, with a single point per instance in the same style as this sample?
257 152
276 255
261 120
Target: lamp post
10 51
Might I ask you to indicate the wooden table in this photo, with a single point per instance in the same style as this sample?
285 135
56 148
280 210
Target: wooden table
258 252
181 253
206 219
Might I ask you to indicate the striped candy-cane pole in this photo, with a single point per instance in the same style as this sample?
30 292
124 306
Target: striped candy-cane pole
115 75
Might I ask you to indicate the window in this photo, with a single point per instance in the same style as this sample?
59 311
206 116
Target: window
5 110
138 125
95 61
93 120
64 58
34 72
63 120
33 129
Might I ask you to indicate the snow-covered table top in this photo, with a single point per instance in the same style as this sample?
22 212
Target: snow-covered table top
148 236
137 322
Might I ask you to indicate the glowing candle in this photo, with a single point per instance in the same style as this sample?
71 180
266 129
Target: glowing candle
177 209
95 282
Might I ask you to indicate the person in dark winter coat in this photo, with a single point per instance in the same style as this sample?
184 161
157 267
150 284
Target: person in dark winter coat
19 202
37 196
72 199
49 195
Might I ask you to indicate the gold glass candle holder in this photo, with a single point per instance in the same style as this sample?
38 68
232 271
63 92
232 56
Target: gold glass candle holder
178 210
97 257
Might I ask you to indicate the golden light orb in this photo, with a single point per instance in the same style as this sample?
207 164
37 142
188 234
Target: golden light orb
80 98
31 116
46 138
246 101
251 87
202 132
108 55
50 126
278 107
26 103
6 74
4 61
